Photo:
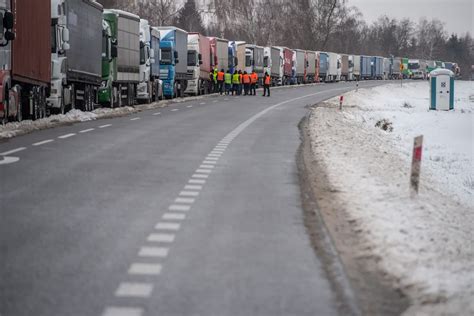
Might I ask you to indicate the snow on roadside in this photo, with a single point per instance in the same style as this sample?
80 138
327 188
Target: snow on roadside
424 243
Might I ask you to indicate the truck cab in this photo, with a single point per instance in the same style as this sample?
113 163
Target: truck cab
233 60
169 58
149 88
107 93
415 70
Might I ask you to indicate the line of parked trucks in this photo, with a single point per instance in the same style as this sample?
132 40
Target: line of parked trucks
57 55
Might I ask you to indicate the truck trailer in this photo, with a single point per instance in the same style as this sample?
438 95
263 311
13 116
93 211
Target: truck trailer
25 58
300 66
120 68
220 53
174 61
365 67
344 67
76 56
240 49
334 67
395 72
233 60
310 67
254 60
277 71
199 64
356 70
323 65
377 67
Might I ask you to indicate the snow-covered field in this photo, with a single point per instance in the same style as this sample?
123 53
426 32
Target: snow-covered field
425 243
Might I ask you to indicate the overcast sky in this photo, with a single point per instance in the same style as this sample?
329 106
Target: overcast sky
457 15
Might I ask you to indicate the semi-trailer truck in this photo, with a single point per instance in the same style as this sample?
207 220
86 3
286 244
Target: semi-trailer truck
323 65
334 67
356 70
219 53
377 67
233 60
344 67
174 61
150 88
199 64
365 67
25 58
310 66
277 65
121 66
76 54
254 60
300 66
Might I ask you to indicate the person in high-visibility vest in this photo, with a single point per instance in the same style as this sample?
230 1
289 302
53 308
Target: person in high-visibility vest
228 82
214 81
235 83
267 81
246 81
220 81
241 82
253 83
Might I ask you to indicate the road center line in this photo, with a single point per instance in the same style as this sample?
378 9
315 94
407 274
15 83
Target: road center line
43 142
135 118
174 216
179 208
127 289
122 311
161 238
104 126
86 130
145 268
167 226
67 136
160 252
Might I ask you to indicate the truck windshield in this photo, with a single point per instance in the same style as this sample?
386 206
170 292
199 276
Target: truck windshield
192 58
265 61
413 66
53 39
248 61
166 56
142 54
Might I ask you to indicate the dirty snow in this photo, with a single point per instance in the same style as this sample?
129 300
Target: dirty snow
426 243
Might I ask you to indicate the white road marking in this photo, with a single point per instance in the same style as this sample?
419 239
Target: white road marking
87 130
104 126
203 171
167 226
145 268
206 167
220 147
12 151
67 135
179 208
189 106
157 113
8 160
197 181
193 187
209 162
43 142
174 216
135 118
226 99
161 237
159 252
202 103
122 311
217 152
200 176
212 158
184 200
174 110
214 155
188 193
127 289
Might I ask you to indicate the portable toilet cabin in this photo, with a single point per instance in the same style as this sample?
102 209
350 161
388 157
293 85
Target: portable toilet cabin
442 89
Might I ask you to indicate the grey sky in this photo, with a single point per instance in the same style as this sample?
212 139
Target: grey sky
457 15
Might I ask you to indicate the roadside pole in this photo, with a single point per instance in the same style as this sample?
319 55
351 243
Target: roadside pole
416 165
341 99
401 74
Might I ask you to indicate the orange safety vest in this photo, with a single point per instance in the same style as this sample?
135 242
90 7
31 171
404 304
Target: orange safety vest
268 80
241 78
220 76
254 77
246 78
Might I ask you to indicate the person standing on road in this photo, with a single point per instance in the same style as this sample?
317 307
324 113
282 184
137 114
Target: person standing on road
220 81
253 83
235 83
246 80
267 80
228 82
241 82
214 80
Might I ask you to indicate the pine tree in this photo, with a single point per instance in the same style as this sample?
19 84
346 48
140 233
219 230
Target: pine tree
189 18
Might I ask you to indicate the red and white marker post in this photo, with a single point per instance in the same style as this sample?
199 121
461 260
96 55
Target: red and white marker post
416 164
341 99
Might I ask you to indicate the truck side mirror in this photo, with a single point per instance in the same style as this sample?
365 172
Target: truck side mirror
176 55
236 61
65 35
8 20
114 51
199 57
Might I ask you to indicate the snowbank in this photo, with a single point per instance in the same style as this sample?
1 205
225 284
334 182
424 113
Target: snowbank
425 243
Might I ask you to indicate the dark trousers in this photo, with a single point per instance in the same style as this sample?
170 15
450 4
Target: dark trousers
220 86
253 88
266 90
240 89
247 88
235 88
228 88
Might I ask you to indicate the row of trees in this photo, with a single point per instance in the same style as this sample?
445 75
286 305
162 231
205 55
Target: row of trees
326 25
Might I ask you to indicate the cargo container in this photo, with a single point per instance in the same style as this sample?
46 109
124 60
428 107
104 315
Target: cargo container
76 55
377 67
344 67
174 61
365 67
395 72
288 65
120 68
25 57
276 70
254 60
350 76
311 67
219 53
240 46
300 66
334 67
150 88
316 76
323 65
233 60
267 60
356 71
387 68
199 64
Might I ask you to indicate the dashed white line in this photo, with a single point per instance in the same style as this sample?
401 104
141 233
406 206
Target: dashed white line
215 155
179 208
157 113
161 238
86 130
43 142
174 110
210 162
104 126
145 268
167 226
202 103
203 171
159 252
122 311
206 167
67 136
212 158
197 181
174 216
193 187
189 106
184 200
127 289
135 118
188 193
200 176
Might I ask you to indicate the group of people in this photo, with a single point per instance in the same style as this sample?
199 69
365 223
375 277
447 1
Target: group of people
238 82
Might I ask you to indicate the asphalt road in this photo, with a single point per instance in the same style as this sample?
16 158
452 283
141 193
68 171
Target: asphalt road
192 211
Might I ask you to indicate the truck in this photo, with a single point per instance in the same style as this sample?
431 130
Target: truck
220 53
300 66
240 48
267 60
233 59
334 67
377 67
254 60
365 67
350 76
174 61
395 68
310 66
344 67
277 65
150 88
76 55
286 56
406 73
199 64
121 64
356 70
387 68
25 58
323 66
415 70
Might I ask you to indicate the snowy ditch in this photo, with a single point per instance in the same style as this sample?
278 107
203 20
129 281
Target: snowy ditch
424 243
